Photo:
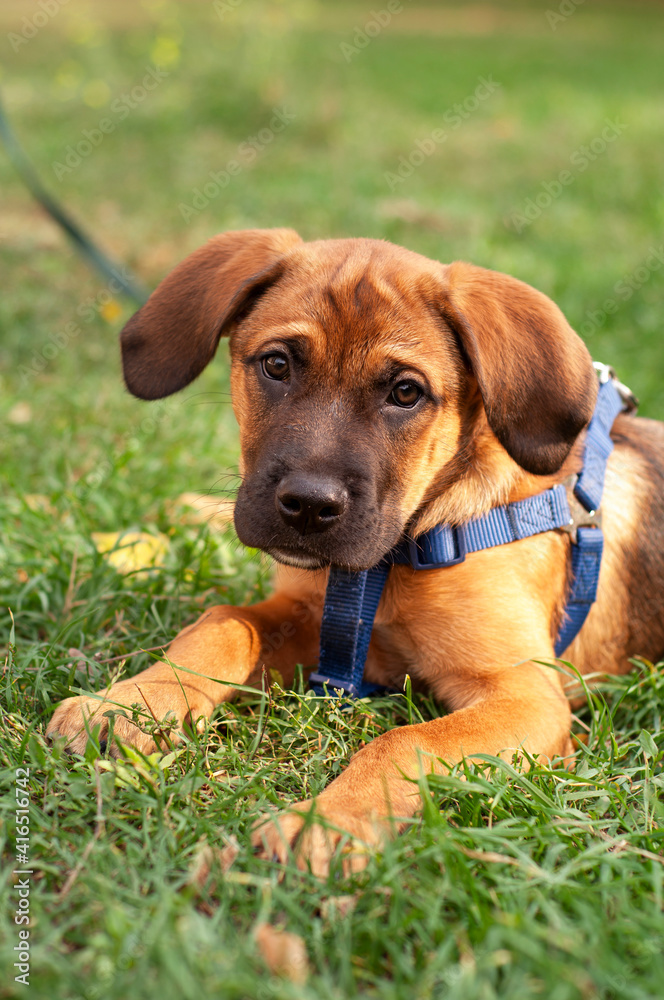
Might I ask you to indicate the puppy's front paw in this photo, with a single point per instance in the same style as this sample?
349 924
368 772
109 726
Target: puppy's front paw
156 721
315 832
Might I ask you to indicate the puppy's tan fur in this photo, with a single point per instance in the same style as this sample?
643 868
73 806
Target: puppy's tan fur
511 389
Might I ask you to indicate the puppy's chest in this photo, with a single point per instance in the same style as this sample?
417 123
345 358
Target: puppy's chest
421 630
466 621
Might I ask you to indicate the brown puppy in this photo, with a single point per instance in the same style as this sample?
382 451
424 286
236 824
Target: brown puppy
379 392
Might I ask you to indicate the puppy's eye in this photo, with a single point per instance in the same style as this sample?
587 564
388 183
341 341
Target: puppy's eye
276 366
406 394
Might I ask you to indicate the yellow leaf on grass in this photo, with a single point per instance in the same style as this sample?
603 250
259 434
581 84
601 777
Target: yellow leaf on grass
131 551
39 503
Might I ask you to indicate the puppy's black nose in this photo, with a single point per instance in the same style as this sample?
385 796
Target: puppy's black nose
309 504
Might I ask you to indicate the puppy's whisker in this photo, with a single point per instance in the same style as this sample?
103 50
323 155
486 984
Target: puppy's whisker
210 402
196 396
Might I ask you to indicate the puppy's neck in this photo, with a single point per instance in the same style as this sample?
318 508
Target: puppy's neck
481 476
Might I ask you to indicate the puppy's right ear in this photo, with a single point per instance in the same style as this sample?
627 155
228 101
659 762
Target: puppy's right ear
171 339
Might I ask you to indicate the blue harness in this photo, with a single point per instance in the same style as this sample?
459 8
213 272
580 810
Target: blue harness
352 597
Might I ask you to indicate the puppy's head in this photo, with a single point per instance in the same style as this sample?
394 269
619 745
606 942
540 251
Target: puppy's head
367 382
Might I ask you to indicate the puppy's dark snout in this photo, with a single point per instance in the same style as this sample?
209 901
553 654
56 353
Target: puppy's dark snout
309 504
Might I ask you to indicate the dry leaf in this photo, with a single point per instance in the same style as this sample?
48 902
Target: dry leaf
79 658
39 503
20 413
283 953
208 858
338 906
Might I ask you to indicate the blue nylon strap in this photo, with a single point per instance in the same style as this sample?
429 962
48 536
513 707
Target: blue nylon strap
588 489
351 600
352 597
590 484
445 545
586 562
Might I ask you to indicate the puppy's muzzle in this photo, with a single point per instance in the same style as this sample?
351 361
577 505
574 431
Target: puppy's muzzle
309 504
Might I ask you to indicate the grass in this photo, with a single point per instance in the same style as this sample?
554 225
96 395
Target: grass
545 884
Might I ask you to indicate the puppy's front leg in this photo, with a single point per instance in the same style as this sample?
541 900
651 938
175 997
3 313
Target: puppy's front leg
227 646
514 707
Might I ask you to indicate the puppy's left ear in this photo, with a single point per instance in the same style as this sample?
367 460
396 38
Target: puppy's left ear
534 373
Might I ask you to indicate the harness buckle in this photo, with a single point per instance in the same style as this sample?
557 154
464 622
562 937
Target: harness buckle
343 687
419 561
334 683
579 516
605 373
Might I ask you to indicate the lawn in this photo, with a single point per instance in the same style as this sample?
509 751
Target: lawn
523 140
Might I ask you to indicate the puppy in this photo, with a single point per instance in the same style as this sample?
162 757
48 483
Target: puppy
379 393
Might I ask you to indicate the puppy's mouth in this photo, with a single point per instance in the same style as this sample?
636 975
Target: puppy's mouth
312 522
302 560
351 557
316 552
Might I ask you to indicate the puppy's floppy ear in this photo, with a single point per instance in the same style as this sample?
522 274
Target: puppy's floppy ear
170 340
534 373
